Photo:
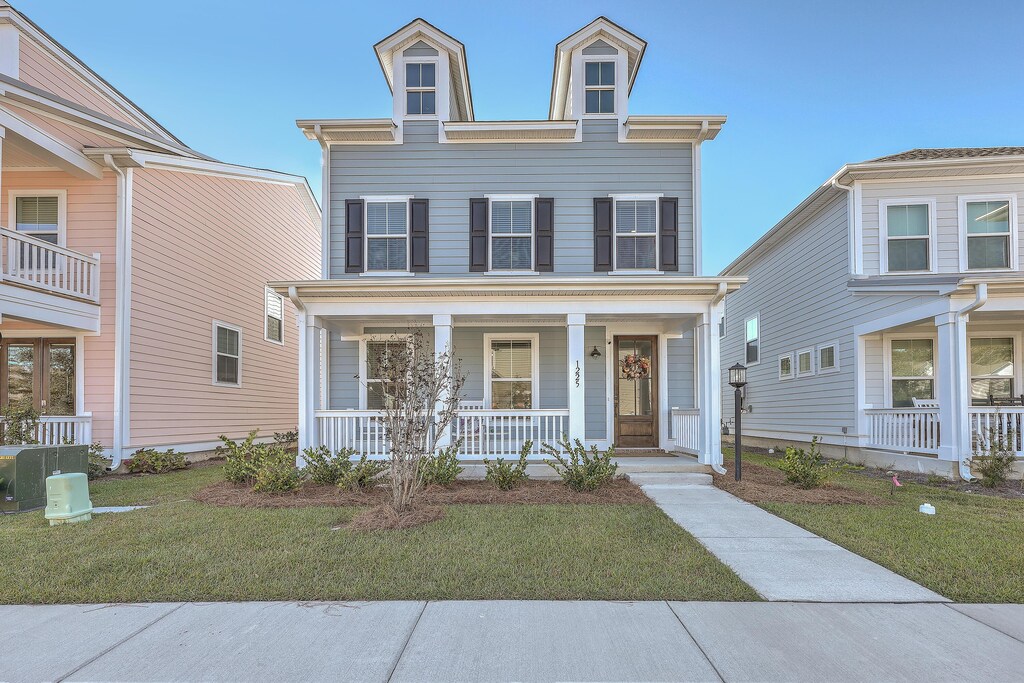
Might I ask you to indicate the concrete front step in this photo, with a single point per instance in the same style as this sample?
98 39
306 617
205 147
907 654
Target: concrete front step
669 479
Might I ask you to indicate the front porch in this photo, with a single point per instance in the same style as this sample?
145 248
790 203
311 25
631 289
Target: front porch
637 373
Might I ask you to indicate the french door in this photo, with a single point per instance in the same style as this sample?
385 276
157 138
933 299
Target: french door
38 373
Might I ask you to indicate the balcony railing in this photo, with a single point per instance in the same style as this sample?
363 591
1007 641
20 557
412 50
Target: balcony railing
55 430
484 433
38 264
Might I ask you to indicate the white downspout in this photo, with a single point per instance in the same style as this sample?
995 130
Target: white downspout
723 289
980 298
122 260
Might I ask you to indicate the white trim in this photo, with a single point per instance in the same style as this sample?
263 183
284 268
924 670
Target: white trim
363 339
887 376
883 234
238 330
266 314
62 211
647 197
386 199
809 352
792 366
1013 223
743 350
835 358
697 207
602 59
435 60
1018 357
532 200
534 339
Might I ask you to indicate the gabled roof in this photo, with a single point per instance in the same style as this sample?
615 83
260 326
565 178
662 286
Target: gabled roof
928 154
607 30
9 14
420 29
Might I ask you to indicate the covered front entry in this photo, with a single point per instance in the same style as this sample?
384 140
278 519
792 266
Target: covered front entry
636 391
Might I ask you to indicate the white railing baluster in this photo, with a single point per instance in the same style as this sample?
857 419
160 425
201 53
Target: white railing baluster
39 264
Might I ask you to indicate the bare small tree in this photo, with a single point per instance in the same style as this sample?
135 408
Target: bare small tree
420 395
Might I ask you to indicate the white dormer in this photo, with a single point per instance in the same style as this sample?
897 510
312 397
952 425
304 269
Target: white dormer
426 71
594 72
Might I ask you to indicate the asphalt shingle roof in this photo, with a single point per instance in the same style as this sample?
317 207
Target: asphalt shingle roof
953 153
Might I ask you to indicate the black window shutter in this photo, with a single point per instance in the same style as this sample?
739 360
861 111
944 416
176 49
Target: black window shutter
602 234
668 234
544 246
477 235
354 236
419 235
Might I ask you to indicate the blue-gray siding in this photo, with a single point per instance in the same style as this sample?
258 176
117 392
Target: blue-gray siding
572 173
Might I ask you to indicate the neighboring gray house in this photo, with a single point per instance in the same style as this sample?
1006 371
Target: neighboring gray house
885 313
544 252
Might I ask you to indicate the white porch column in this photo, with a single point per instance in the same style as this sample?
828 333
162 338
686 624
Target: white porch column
443 344
309 381
709 399
952 384
576 355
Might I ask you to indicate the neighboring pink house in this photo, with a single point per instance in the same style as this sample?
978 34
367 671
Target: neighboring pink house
133 306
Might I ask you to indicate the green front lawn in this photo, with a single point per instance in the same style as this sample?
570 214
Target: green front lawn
969 551
180 549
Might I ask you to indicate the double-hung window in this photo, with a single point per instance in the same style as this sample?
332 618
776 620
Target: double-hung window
992 369
908 238
381 384
987 233
752 340
227 354
513 372
387 235
636 234
913 371
512 234
40 215
599 86
273 316
420 88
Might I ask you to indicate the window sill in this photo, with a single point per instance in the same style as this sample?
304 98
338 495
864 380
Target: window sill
909 272
386 273
1011 269
511 273
636 272
273 341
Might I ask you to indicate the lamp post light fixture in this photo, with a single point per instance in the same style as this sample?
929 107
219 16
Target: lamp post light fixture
738 380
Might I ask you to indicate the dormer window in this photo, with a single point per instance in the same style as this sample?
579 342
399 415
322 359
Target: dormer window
420 89
599 84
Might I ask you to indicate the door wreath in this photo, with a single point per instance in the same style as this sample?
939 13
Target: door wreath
635 366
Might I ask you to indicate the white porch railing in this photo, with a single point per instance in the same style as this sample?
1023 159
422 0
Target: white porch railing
40 265
1002 422
55 430
911 430
491 433
485 433
686 429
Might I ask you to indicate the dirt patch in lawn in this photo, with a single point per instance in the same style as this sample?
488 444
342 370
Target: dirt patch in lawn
762 484
1013 489
618 492
384 517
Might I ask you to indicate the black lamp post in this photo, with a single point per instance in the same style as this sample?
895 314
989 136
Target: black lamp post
738 380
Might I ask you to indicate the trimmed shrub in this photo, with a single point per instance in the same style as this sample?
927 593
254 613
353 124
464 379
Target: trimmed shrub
509 475
443 467
275 471
241 460
98 463
152 461
361 475
286 439
582 470
325 468
808 469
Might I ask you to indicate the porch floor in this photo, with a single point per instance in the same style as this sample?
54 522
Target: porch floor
630 464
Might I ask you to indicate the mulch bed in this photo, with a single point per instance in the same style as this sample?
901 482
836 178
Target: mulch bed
762 484
618 492
384 517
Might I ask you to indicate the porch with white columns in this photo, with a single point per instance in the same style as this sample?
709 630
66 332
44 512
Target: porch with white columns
709 386
953 386
442 345
310 368
576 357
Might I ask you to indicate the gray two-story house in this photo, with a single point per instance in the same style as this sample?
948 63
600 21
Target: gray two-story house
885 313
558 259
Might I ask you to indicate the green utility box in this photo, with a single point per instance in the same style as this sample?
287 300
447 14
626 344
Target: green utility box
67 498
24 470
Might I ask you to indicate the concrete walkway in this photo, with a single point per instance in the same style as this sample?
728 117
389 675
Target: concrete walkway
518 640
779 560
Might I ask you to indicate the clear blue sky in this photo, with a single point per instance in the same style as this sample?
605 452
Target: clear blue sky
807 86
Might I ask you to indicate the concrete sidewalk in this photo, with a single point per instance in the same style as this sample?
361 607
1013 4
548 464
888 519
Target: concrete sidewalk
516 640
779 560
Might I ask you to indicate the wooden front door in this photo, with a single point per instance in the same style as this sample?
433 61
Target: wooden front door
636 392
